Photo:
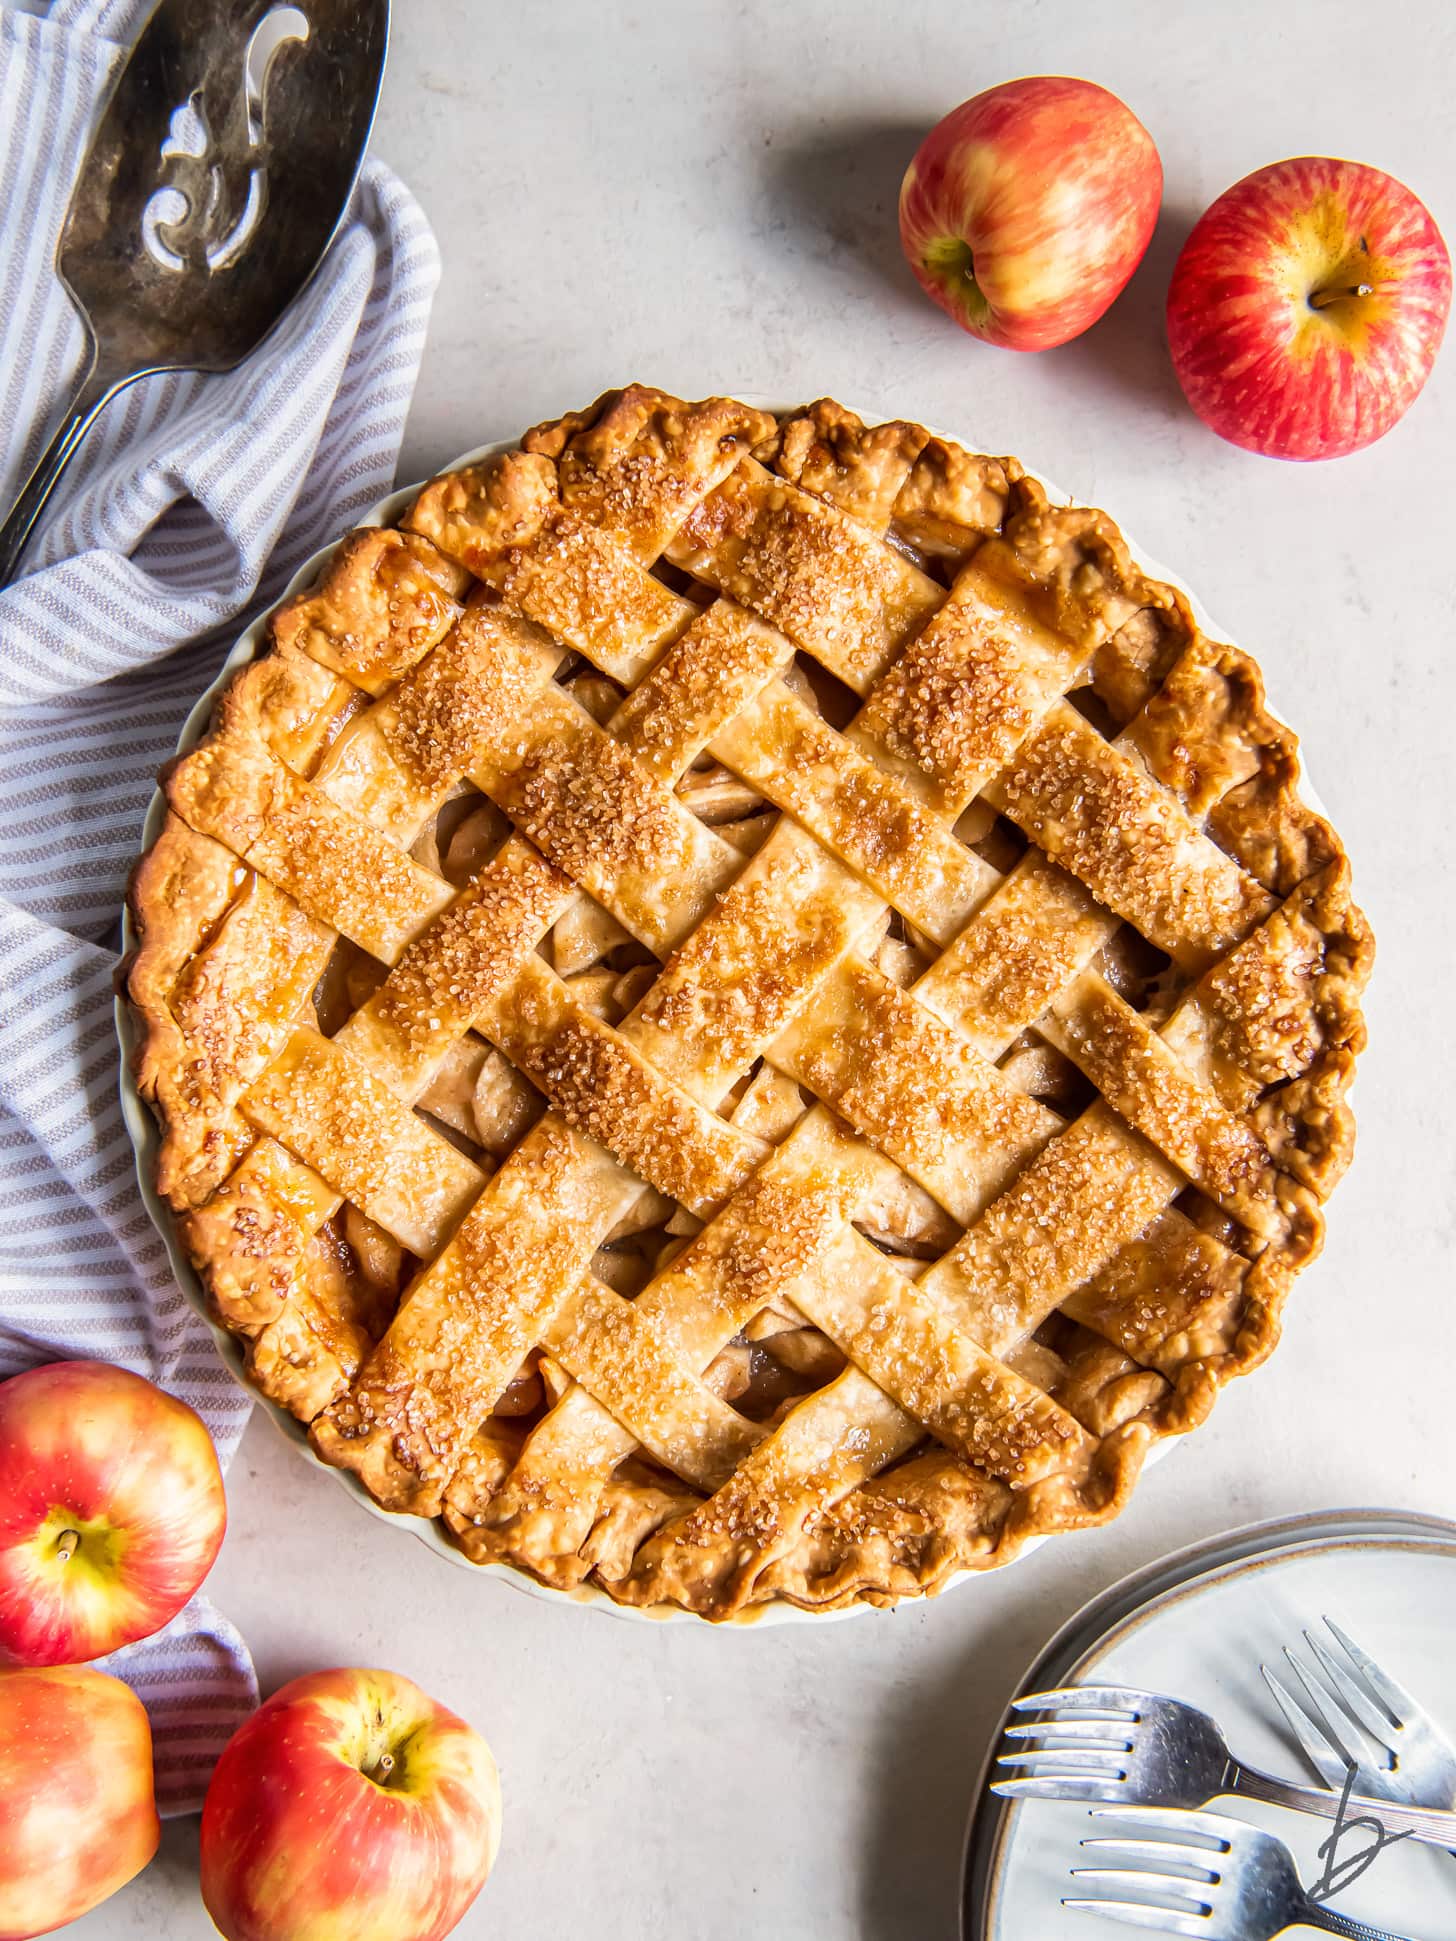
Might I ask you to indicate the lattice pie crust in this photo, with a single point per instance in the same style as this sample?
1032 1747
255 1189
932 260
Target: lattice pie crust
744 1009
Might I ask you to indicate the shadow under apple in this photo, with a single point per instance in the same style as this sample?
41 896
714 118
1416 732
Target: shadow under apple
1126 350
835 193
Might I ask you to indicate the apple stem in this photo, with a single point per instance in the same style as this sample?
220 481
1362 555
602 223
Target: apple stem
381 1769
1322 299
67 1545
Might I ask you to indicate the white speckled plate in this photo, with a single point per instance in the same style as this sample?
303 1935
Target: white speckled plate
1198 1628
142 1126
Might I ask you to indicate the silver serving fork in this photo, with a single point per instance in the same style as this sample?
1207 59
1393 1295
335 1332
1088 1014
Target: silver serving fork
1240 1886
1111 1743
214 183
1351 1705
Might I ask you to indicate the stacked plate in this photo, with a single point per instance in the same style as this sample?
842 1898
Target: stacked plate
1198 1626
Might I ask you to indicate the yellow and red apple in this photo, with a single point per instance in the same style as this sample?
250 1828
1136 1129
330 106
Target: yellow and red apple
351 1805
1026 209
1307 307
77 1815
111 1511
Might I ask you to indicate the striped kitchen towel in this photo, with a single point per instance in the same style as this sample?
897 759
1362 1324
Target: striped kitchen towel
193 500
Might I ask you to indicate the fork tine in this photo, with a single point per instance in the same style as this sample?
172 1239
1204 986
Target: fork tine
1070 1760
1352 1696
1177 1887
1158 1850
1396 1700
1084 1791
1083 1698
1136 1915
1103 1731
1181 1819
1319 1699
1328 1768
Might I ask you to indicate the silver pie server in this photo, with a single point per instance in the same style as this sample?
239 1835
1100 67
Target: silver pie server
216 179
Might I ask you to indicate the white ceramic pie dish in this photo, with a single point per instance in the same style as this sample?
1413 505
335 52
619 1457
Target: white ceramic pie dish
146 1139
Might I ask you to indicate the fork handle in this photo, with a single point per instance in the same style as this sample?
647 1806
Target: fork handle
94 390
1315 1915
1429 1824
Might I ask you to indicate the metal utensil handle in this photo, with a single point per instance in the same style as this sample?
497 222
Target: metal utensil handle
1326 1918
93 391
1436 1828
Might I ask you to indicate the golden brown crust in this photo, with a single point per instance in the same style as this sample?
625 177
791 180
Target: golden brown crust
476 516
938 498
223 961
1111 1267
1072 562
384 602
638 461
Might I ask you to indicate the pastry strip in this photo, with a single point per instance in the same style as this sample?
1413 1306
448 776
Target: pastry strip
584 587
954 708
914 1088
736 981
352 1130
468 1321
908 1344
849 600
697 687
585 802
1146 1084
601 1084
1170 1297
639 463
611 1348
1094 809
793 757
338 869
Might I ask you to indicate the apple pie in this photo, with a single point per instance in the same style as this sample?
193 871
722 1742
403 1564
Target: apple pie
742 1008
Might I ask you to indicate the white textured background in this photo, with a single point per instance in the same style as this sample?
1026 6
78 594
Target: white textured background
702 196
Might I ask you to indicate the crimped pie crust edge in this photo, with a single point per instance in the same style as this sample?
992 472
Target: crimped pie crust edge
1279 836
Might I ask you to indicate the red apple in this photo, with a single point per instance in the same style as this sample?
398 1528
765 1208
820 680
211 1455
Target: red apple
1307 308
77 1816
1027 209
349 1805
111 1511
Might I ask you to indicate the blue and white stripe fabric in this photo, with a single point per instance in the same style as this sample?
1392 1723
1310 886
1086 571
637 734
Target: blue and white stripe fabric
193 500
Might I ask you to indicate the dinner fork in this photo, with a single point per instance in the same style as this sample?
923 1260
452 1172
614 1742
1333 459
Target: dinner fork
1346 1708
1120 1745
1242 1886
